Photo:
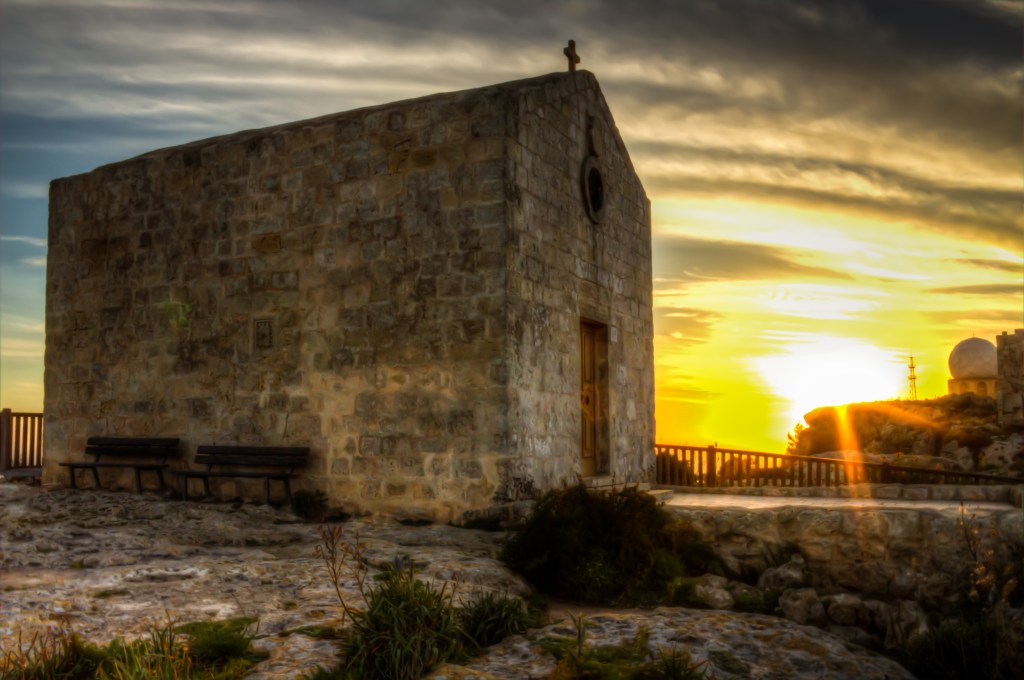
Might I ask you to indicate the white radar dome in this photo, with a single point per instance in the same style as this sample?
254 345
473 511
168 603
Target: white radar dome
973 358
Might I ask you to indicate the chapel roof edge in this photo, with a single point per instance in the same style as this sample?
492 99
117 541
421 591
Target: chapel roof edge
495 89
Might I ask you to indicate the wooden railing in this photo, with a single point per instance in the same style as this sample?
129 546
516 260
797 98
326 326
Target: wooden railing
714 467
21 441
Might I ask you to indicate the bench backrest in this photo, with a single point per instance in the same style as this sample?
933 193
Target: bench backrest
142 447
255 456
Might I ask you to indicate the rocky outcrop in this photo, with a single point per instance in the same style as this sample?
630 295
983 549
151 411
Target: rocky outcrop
116 564
917 552
730 645
954 432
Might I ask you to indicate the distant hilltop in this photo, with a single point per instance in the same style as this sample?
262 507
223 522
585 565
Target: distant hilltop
958 432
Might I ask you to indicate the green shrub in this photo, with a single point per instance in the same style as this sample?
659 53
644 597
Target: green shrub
986 640
488 618
602 547
956 649
407 628
310 505
215 644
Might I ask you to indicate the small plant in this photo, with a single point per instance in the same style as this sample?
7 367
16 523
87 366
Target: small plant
673 664
218 644
488 618
161 656
728 662
628 660
408 628
310 505
986 641
56 653
344 560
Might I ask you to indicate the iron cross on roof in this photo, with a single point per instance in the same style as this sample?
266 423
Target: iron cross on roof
570 54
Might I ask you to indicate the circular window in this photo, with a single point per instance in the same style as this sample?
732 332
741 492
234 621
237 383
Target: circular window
593 189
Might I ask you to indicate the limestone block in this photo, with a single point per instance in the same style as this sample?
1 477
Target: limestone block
792 574
803 606
897 622
855 635
890 491
916 493
714 597
845 609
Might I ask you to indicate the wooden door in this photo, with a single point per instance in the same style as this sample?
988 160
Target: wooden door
589 396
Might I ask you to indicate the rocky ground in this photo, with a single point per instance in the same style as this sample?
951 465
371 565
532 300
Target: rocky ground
117 564
954 432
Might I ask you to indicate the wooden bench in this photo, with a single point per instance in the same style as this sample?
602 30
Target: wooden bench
271 462
138 453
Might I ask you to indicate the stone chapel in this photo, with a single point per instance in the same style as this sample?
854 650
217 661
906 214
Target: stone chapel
449 299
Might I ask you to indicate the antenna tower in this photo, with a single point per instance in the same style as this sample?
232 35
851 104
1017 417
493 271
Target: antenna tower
913 379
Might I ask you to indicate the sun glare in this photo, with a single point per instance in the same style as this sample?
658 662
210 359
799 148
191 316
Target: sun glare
826 371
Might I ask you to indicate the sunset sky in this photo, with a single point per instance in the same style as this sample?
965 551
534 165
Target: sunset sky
835 184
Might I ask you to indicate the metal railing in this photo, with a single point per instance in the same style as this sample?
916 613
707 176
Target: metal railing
21 441
714 467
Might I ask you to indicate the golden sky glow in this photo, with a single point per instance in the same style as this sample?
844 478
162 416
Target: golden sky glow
834 185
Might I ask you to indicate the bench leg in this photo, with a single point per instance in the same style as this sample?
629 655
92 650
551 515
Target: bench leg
184 487
160 476
96 477
287 490
266 490
206 486
71 476
138 480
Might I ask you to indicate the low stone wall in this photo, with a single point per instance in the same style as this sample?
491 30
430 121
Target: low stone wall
1012 494
883 552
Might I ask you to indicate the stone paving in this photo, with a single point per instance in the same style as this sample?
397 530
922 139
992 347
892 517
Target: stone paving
751 502
116 564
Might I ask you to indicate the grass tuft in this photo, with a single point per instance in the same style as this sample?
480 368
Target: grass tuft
488 618
214 650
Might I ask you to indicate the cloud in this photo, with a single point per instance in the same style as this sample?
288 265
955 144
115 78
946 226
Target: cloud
34 261
982 289
682 393
963 219
29 240
986 318
17 348
688 325
834 182
22 323
1001 265
682 259
24 190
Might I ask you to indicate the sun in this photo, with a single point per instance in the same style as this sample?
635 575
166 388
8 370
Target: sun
819 370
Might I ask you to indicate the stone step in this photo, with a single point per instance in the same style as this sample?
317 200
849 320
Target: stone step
661 495
604 482
609 483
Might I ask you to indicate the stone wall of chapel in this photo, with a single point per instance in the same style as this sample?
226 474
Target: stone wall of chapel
375 243
564 268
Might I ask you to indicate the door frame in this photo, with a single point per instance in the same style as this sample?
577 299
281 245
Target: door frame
594 384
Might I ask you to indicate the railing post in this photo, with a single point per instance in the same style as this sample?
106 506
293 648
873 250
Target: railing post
5 439
710 466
